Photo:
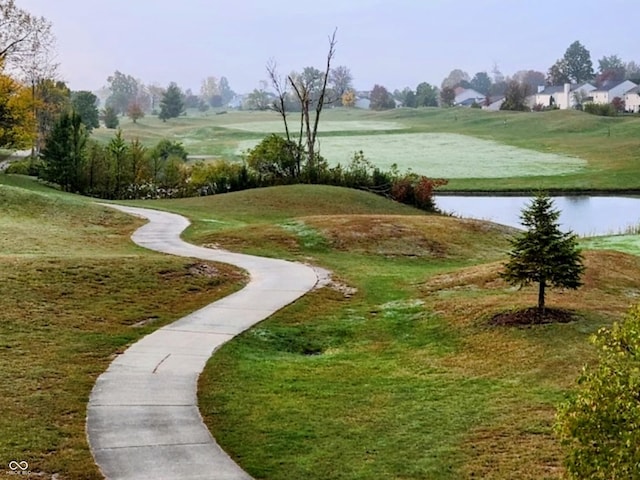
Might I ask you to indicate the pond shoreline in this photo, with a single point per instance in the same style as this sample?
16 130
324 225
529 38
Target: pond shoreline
553 192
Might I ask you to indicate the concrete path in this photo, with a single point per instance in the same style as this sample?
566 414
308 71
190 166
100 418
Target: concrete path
143 420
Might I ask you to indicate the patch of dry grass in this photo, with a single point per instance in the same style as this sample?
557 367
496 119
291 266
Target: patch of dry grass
534 362
400 235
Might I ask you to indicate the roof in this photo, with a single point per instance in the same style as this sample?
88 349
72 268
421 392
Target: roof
468 102
551 89
634 90
610 85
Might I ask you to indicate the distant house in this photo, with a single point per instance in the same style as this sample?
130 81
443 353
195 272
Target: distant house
363 103
610 90
494 105
465 97
632 100
237 101
562 96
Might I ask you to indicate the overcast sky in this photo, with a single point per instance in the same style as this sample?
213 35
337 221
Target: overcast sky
395 43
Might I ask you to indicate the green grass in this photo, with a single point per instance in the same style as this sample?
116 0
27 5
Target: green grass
621 243
445 155
74 291
391 372
605 147
405 378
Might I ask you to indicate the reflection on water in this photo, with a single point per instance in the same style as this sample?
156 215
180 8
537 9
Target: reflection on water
584 215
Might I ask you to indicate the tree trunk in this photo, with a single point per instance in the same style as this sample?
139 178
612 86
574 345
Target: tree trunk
543 284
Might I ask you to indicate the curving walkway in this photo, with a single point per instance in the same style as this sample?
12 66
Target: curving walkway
142 419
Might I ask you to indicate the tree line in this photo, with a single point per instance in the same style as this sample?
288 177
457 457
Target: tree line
122 169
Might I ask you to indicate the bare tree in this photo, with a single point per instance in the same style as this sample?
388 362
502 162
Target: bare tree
36 65
310 89
280 86
21 33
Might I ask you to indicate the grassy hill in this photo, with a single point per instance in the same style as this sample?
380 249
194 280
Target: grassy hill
567 150
391 370
394 370
74 291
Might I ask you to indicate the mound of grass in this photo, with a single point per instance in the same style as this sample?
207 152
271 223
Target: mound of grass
255 221
74 292
407 378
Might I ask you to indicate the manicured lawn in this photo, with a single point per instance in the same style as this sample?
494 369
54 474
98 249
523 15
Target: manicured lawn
588 152
445 155
277 126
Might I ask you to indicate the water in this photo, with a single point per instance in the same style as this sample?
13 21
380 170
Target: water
584 215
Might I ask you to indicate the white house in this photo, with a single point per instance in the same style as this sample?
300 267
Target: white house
562 96
632 100
610 90
495 104
467 97
363 103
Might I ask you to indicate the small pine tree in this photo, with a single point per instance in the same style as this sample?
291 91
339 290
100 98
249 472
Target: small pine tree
172 103
543 254
110 118
63 155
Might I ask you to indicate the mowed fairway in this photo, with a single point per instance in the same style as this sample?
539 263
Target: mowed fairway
560 150
327 126
445 155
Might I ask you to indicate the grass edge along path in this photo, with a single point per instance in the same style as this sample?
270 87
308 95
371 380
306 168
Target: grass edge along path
162 369
68 274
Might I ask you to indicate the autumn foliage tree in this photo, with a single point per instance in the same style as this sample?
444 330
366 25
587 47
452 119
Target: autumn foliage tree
135 112
381 99
17 122
349 99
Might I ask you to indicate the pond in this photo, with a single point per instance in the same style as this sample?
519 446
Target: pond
584 215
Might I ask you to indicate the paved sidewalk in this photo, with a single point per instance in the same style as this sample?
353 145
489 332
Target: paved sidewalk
142 419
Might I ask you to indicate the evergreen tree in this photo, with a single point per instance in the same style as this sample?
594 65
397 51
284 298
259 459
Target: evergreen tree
85 104
172 103
64 153
110 117
543 253
119 156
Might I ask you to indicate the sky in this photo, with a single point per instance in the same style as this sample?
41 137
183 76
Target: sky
395 43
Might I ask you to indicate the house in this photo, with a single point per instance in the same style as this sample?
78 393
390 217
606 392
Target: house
363 103
564 96
467 97
610 90
632 100
494 105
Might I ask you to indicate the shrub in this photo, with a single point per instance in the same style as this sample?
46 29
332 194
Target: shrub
600 426
602 109
27 166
